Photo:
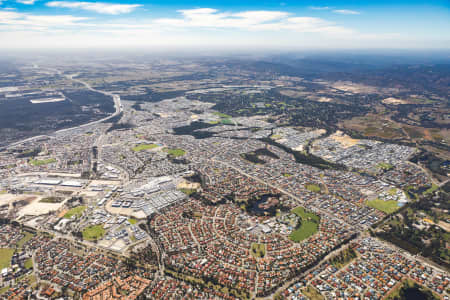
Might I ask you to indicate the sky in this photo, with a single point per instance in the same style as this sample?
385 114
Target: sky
246 25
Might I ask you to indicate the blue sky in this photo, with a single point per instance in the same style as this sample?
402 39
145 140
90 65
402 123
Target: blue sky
263 25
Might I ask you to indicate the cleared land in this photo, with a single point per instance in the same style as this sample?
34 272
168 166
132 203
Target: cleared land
93 232
309 225
76 211
384 206
143 147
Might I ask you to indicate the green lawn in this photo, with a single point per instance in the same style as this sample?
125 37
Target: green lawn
387 207
132 221
226 122
94 232
309 225
28 236
5 257
175 152
36 162
313 188
222 115
385 166
28 264
77 211
144 147
258 250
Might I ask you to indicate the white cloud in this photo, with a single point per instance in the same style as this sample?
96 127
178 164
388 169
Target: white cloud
99 7
319 7
29 2
27 21
250 20
346 12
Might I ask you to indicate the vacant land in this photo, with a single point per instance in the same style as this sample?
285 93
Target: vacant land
411 290
258 250
143 147
36 162
384 206
343 258
51 200
312 293
94 232
5 257
76 211
309 224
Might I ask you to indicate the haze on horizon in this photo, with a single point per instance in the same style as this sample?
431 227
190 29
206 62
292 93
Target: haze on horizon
267 25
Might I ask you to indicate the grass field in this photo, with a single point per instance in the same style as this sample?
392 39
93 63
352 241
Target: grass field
28 236
76 211
175 152
28 264
226 122
94 232
132 221
313 188
258 250
222 115
385 206
36 162
309 225
144 147
385 166
4 289
5 257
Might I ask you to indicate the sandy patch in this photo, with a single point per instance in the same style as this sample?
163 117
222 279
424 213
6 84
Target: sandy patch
324 99
129 212
348 86
188 185
344 140
444 225
394 101
36 208
47 100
